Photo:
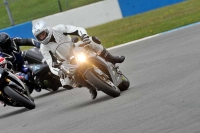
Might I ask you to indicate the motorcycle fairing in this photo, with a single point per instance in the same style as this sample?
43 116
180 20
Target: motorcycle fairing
16 82
107 68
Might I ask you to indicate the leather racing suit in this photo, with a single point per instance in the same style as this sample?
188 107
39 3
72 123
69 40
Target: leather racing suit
14 55
61 35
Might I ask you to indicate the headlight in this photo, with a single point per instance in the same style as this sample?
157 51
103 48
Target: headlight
81 57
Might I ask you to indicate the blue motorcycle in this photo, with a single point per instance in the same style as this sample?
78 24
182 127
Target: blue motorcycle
43 77
13 92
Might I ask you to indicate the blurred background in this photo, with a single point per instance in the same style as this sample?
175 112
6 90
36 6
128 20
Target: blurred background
121 20
14 12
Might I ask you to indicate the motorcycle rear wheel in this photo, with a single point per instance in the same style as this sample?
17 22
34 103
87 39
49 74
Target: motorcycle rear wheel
28 103
101 85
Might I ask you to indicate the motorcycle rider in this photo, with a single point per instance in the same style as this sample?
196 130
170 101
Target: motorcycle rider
52 37
10 50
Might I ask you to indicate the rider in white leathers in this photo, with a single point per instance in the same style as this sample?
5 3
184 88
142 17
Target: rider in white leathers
51 38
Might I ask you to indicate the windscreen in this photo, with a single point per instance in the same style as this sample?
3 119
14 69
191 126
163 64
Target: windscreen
64 50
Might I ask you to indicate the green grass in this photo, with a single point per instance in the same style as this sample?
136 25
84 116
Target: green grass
146 24
28 10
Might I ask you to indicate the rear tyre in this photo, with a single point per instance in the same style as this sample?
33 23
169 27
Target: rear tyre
125 83
24 101
101 85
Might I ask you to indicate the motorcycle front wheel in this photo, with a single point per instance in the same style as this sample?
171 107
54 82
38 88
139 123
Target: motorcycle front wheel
101 85
24 101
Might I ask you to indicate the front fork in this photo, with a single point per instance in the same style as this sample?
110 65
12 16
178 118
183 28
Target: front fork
80 78
1 101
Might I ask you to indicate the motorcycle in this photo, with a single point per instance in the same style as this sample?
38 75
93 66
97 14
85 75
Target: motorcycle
43 77
91 70
13 92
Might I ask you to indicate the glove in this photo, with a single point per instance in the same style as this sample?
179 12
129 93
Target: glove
36 43
61 74
85 39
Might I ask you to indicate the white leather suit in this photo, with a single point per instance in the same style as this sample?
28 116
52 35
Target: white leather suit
62 33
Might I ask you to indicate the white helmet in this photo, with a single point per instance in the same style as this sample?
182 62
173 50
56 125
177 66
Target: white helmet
39 27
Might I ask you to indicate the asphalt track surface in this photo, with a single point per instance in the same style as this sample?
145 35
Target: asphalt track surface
164 95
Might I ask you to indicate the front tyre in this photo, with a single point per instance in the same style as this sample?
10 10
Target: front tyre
102 85
24 101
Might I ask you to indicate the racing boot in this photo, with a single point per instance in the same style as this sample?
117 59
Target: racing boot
29 77
110 58
93 93
37 88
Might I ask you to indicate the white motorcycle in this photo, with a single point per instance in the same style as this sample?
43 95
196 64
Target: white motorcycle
91 71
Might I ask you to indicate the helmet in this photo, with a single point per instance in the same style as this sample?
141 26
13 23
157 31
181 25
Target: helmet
39 28
3 62
5 41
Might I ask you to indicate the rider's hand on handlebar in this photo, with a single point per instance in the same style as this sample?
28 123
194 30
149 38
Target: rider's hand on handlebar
85 39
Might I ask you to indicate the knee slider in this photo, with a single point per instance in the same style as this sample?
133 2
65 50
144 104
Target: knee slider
96 40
